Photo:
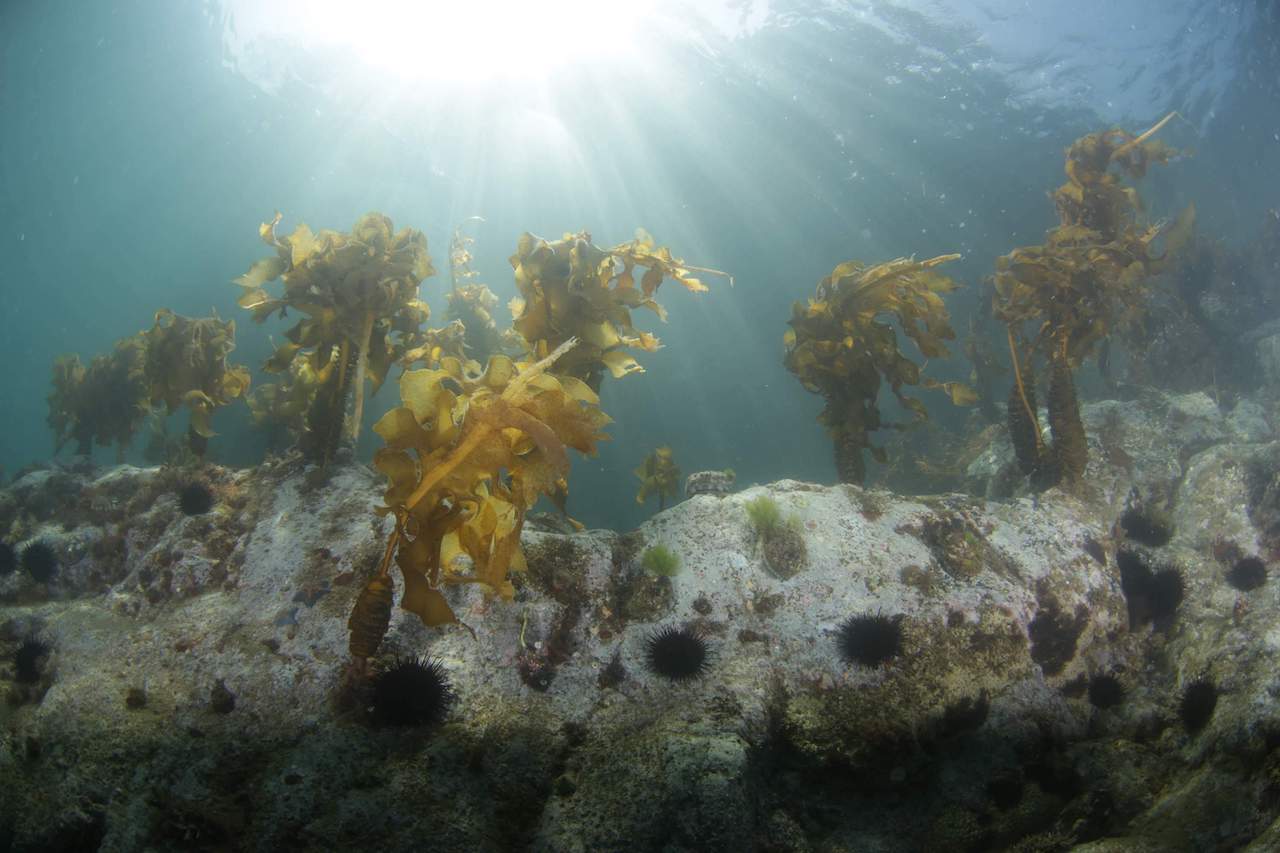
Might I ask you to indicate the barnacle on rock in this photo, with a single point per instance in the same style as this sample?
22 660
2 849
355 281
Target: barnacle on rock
677 653
785 552
412 692
779 540
870 639
40 561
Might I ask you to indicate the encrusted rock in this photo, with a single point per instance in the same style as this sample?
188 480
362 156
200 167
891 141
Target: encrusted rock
562 739
710 483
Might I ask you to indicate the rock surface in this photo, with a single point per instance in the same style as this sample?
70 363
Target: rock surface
196 694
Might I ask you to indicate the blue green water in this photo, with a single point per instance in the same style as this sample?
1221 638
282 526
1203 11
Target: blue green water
144 142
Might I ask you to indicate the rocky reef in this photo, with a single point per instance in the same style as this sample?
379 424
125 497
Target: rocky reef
1045 690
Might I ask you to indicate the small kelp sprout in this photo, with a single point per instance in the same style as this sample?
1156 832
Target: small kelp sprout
840 348
1061 299
659 475
358 294
466 456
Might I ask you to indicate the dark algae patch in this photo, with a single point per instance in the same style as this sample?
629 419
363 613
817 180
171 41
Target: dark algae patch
1247 573
1054 633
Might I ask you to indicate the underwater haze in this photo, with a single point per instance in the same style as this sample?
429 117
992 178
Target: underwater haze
578 425
144 142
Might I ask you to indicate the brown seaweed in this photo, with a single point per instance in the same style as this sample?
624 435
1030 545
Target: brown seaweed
466 456
572 288
1062 300
838 346
659 475
358 294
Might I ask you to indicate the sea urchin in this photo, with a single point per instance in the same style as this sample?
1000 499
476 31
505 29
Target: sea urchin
1247 573
412 692
26 660
40 561
1105 691
195 498
677 653
870 639
8 559
1148 526
1198 703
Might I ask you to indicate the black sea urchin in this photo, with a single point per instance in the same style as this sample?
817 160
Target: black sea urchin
1147 526
1248 573
8 559
677 653
26 660
195 498
1166 593
870 639
1105 691
412 692
40 561
1153 596
1198 702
